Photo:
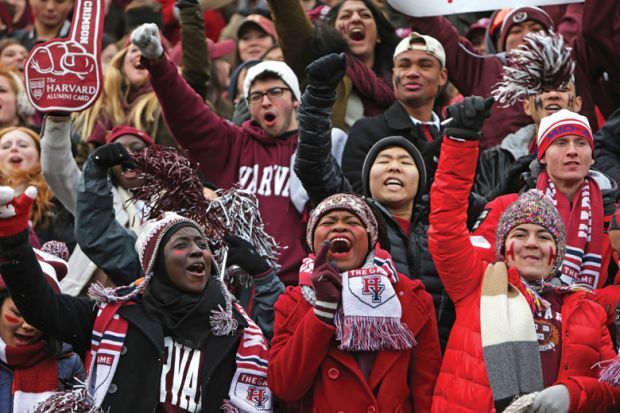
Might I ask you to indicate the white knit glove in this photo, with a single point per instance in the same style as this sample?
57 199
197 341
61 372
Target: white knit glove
554 399
146 38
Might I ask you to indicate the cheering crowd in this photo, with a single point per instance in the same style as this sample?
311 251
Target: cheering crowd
314 206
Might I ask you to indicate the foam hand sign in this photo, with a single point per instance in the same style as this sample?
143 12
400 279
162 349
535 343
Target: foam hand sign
65 74
15 212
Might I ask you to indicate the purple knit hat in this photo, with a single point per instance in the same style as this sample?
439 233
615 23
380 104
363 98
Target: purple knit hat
346 202
532 207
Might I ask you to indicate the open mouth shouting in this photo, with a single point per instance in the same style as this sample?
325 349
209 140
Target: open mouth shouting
340 247
269 119
197 269
15 161
357 34
394 184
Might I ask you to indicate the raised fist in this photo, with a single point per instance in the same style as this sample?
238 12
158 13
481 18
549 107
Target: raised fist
327 71
468 117
64 75
146 38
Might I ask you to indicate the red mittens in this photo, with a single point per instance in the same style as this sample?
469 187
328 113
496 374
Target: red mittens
15 212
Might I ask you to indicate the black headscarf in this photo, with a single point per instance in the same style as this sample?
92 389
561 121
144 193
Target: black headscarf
184 316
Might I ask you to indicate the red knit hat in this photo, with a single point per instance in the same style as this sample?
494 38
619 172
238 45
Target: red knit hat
520 15
121 130
559 124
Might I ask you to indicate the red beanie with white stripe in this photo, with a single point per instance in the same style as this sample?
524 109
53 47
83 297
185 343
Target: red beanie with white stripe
560 124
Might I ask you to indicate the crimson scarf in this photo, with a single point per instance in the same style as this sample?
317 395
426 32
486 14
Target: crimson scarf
35 376
377 95
584 227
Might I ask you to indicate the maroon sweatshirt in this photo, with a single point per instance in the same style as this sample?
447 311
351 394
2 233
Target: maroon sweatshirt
228 154
474 74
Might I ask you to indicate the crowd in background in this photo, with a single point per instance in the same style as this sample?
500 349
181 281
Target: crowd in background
315 206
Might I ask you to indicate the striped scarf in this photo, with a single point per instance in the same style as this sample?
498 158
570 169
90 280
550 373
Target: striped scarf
584 230
248 392
369 317
35 376
509 342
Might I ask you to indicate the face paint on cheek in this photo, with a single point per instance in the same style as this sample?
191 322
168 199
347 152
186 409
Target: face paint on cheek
551 256
177 253
538 103
11 319
571 101
510 251
397 80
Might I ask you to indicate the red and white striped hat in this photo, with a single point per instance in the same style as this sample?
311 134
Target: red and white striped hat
562 123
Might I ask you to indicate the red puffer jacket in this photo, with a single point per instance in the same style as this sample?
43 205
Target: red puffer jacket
463 384
306 365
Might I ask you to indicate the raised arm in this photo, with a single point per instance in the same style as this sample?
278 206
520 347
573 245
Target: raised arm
67 318
59 167
454 255
212 141
101 237
294 32
468 70
196 59
315 166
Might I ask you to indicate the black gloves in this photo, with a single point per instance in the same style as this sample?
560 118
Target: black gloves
327 71
111 155
468 117
243 254
327 285
323 76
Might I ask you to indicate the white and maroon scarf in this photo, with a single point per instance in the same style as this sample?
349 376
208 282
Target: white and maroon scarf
248 393
35 376
369 317
584 229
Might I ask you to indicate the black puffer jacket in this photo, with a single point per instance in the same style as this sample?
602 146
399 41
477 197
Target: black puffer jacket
607 147
497 171
321 177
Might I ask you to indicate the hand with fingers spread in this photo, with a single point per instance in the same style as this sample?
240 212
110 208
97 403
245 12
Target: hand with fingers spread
111 155
244 254
146 38
468 117
327 286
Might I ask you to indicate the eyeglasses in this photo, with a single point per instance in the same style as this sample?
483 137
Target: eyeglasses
273 93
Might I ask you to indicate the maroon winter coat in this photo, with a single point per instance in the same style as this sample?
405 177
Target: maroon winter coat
228 154
596 49
306 365
463 384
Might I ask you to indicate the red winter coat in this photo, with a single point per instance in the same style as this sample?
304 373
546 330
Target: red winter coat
608 289
306 365
463 384
228 154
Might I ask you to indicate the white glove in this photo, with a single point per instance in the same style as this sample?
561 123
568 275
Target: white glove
146 38
554 399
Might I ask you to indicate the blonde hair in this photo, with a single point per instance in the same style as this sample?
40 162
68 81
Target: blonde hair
112 104
42 208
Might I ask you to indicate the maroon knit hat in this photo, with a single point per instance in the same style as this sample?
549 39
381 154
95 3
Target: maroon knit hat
520 15
121 130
